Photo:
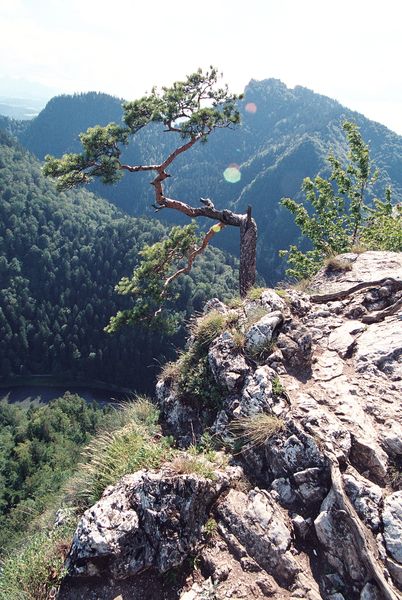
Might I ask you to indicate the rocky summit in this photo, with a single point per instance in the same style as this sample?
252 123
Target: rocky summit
301 393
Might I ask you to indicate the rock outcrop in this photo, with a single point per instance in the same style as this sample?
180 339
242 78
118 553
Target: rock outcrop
317 512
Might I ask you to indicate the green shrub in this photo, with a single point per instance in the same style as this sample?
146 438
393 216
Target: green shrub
277 386
35 571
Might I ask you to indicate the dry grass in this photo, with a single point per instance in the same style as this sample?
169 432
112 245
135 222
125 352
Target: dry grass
253 316
208 327
170 371
131 442
259 428
239 339
335 263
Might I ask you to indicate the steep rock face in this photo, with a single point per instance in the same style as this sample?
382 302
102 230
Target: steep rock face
319 515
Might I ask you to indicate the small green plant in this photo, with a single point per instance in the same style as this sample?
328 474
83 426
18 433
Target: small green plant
253 316
257 429
239 339
210 528
282 293
207 328
260 353
188 463
395 474
255 293
277 387
170 372
235 302
35 571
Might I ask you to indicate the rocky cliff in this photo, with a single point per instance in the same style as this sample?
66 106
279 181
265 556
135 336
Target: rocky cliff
301 392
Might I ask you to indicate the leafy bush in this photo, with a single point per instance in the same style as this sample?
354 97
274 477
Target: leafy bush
338 217
35 571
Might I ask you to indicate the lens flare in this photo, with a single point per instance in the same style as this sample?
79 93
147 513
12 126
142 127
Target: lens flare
251 108
232 173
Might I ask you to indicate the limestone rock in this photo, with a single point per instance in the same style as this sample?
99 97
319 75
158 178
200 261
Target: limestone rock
370 592
259 336
272 301
369 456
228 367
257 393
392 520
256 521
366 497
147 520
340 549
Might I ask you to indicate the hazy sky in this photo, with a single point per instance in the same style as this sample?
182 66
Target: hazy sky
350 50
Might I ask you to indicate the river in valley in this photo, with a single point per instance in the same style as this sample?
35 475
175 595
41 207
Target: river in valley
43 394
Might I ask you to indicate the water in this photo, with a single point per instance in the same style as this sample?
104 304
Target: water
42 394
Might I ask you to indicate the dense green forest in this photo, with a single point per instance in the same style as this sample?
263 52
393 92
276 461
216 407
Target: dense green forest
39 449
285 135
60 257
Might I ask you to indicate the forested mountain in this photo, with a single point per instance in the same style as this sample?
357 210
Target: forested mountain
285 136
60 257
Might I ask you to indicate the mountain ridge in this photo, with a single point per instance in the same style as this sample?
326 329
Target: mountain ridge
285 135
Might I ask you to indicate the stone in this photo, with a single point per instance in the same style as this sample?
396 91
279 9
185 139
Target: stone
367 266
391 438
392 522
257 392
256 521
341 339
301 526
215 304
366 498
260 335
370 592
381 345
395 570
146 520
366 455
272 301
328 366
334 535
228 367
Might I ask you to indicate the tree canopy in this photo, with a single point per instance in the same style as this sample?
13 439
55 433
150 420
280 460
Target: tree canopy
192 109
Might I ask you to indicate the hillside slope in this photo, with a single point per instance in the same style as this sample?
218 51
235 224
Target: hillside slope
60 257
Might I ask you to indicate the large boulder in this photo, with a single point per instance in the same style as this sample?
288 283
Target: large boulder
147 520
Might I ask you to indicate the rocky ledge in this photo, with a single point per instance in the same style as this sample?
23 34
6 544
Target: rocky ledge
309 505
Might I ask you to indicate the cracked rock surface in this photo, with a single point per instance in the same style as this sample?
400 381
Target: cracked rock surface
318 511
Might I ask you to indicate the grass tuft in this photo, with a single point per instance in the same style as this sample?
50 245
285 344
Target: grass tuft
255 293
133 443
257 429
207 328
335 264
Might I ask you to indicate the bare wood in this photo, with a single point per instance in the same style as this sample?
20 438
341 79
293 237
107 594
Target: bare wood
380 315
321 299
207 238
363 537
